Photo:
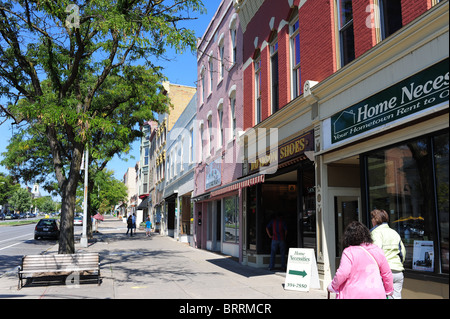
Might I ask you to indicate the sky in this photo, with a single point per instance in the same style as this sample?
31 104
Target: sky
180 69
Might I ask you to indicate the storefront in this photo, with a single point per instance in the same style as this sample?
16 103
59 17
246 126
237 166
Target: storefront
383 142
288 190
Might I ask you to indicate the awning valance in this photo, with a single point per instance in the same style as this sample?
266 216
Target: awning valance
241 183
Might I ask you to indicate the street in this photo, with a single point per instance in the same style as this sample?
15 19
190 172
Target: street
17 241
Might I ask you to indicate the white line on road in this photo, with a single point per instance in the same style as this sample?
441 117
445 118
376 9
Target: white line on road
9 239
20 242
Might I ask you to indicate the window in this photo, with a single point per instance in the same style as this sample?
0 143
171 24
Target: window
233 115
346 35
231 206
146 150
191 146
220 118
233 34
202 81
410 181
201 149
222 62
274 75
258 81
210 133
295 59
391 16
211 74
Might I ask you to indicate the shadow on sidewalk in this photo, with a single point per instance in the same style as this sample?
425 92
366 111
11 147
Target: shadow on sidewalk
230 264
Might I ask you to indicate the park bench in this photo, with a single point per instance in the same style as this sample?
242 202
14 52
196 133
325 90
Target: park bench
58 265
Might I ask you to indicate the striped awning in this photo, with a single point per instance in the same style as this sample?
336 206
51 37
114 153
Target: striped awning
244 182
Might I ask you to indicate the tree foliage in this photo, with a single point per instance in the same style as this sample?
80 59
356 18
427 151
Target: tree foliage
74 72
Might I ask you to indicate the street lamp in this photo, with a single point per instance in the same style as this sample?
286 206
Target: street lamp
84 238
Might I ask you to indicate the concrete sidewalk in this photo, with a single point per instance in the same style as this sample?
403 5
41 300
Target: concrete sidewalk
159 267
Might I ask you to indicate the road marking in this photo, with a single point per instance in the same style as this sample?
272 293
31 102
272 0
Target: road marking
20 242
1 241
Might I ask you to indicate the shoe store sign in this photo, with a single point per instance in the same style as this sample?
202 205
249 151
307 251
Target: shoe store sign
417 93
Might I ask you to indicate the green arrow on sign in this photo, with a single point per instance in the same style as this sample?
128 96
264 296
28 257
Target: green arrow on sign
298 273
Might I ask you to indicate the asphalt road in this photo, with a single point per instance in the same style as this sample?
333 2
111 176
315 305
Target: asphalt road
17 241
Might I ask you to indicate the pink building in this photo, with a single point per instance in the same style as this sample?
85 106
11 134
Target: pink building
219 119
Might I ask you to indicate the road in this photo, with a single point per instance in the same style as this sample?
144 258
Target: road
17 241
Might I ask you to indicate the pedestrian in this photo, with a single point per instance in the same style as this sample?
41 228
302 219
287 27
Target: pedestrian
134 222
277 231
364 272
148 226
391 243
130 225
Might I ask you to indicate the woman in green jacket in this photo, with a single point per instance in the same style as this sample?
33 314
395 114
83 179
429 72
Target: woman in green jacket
391 243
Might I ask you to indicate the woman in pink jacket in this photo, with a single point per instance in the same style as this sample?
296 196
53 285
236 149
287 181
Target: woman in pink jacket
364 272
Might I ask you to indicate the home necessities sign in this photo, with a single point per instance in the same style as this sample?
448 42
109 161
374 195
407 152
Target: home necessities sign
421 91
301 272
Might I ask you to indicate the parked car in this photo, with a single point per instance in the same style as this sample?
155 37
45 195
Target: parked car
78 221
47 228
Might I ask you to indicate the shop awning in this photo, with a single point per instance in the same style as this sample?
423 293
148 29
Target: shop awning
143 204
241 183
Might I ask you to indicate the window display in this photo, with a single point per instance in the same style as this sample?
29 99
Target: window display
410 182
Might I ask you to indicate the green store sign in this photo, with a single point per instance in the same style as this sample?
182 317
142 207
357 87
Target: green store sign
419 92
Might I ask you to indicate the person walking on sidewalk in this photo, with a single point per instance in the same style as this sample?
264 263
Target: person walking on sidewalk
364 272
130 225
276 230
148 226
134 222
391 243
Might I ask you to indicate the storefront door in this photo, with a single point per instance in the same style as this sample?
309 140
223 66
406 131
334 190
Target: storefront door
346 203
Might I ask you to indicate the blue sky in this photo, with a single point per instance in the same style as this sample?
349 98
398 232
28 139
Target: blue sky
180 69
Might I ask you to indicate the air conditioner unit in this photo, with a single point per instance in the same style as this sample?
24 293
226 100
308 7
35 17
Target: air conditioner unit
307 87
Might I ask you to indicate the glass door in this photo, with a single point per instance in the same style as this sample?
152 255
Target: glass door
346 203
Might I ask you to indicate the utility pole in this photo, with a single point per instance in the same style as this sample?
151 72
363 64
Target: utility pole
84 238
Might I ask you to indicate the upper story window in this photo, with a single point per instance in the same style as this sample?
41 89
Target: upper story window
258 90
211 73
295 58
210 134
233 115
274 75
202 83
346 34
233 38
220 119
390 16
221 60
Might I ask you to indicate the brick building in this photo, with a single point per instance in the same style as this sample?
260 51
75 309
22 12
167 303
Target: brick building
219 120
358 93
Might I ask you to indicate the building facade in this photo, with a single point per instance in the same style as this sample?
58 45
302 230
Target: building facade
217 211
346 110
163 206
179 180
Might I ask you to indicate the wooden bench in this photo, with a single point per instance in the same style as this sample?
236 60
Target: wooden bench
58 265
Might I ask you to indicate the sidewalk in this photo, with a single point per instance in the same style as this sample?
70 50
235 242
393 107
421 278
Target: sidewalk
159 268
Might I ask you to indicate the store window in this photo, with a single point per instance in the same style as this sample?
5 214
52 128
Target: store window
410 182
231 206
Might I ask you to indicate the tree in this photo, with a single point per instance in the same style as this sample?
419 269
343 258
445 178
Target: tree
71 69
20 200
7 188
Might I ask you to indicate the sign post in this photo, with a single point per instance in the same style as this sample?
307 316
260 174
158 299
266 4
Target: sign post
301 273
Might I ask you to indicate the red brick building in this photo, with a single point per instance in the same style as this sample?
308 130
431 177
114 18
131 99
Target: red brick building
309 69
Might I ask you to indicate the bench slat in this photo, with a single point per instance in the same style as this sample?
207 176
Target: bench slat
60 263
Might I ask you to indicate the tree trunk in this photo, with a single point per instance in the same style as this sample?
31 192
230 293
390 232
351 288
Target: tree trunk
68 194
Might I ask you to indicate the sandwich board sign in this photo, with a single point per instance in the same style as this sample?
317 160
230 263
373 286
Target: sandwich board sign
301 272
